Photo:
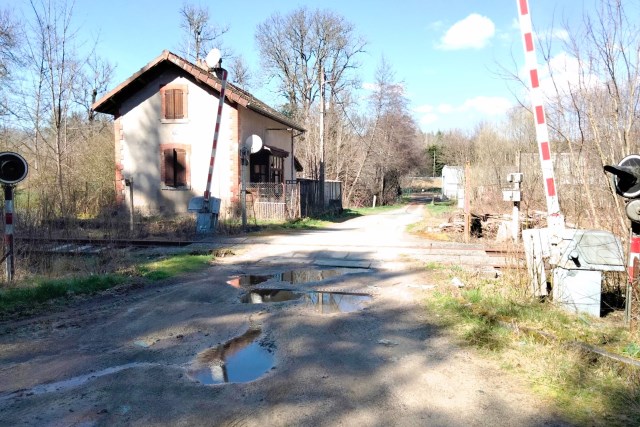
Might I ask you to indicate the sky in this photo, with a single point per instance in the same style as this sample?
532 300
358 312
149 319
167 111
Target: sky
447 54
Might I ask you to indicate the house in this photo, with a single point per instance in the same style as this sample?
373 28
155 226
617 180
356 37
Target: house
164 122
452 181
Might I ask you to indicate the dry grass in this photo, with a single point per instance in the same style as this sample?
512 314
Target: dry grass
498 316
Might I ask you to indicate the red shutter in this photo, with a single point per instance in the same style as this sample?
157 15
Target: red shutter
169 107
180 168
178 105
169 174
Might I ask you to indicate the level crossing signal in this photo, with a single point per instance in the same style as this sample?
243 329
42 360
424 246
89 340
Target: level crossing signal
13 168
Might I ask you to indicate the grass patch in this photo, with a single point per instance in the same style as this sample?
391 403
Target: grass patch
171 266
587 389
26 296
434 215
46 290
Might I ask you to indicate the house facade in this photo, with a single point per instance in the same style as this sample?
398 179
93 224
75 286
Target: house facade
164 124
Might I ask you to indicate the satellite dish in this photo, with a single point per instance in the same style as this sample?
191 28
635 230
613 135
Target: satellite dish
253 143
213 58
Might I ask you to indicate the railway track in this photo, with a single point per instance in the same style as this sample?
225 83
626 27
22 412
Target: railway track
445 253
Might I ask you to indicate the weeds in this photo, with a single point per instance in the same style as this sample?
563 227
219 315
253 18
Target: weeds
532 338
26 296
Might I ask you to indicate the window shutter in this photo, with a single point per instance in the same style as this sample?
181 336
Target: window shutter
169 110
178 104
180 167
169 174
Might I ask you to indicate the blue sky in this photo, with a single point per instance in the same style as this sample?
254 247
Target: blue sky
445 52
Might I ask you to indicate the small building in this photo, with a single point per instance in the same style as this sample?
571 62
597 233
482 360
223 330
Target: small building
164 122
452 181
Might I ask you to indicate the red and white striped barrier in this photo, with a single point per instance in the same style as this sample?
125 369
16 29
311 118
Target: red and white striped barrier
207 192
555 218
634 251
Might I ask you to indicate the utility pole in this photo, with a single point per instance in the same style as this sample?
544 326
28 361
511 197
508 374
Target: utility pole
321 192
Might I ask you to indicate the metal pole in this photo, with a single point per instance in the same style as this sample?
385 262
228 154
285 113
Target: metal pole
8 231
467 202
634 255
243 190
207 192
322 137
131 214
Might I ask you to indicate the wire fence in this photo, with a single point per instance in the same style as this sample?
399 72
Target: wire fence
273 201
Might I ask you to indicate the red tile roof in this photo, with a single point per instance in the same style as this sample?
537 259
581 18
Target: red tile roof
110 102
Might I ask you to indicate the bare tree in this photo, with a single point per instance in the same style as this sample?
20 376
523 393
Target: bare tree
296 47
392 145
596 115
200 35
51 107
9 40
299 52
240 74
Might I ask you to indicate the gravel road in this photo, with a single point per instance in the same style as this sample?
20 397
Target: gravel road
322 353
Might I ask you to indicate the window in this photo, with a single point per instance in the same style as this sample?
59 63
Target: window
174 167
174 103
267 165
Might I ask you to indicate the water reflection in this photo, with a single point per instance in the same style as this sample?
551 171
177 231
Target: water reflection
336 302
242 359
291 277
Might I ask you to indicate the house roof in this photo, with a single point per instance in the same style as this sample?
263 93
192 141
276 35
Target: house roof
110 102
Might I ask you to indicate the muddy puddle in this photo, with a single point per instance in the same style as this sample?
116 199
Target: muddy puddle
242 359
261 296
291 277
323 302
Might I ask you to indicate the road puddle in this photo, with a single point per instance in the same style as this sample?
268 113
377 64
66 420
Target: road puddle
260 296
240 360
291 277
336 302
323 302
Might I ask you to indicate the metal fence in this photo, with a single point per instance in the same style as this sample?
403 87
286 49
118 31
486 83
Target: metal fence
273 201
293 199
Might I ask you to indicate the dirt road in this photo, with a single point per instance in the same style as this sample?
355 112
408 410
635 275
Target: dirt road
178 353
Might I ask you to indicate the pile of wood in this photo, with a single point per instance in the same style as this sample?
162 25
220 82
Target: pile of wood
487 225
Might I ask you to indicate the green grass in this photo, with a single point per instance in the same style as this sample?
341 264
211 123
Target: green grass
46 290
534 339
172 266
26 296
440 208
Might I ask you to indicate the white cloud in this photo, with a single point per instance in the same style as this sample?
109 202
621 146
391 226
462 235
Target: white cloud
562 73
487 105
424 109
550 34
447 115
446 108
370 86
473 32
427 119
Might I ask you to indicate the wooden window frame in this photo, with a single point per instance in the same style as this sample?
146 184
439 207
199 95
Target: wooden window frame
174 89
168 166
267 166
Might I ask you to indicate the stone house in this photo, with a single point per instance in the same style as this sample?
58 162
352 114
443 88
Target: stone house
164 123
